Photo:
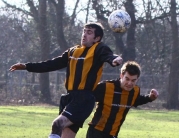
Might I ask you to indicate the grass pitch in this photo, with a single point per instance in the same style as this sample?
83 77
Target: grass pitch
35 122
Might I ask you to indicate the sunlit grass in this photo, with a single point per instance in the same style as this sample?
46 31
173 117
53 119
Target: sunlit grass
35 122
26 121
151 124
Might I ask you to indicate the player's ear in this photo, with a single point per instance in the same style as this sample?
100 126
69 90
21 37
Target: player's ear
97 38
121 75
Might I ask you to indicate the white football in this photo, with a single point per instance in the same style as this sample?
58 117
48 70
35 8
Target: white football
119 21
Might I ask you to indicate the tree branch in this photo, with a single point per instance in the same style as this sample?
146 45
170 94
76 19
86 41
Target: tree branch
166 15
53 2
33 9
16 8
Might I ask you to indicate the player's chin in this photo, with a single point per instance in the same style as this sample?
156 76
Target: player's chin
128 88
84 43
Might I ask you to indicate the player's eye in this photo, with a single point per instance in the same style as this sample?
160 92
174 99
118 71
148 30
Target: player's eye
127 79
89 32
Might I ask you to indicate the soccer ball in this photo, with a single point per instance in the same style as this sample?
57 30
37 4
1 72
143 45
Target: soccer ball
119 21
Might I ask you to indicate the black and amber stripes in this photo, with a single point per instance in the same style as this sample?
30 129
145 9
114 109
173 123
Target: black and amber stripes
111 112
83 71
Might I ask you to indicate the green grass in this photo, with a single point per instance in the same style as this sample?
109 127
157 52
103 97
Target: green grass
151 124
35 122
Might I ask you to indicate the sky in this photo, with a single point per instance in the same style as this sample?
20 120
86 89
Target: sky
69 5
10 1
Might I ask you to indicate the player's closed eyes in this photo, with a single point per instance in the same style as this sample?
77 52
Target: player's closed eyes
88 32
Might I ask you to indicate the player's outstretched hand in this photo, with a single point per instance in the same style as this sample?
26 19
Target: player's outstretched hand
18 66
117 61
153 94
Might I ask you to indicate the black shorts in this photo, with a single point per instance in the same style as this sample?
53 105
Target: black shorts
64 101
94 133
77 106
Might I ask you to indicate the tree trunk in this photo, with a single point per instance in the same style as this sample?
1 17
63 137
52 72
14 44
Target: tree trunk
60 8
172 101
119 43
129 52
45 50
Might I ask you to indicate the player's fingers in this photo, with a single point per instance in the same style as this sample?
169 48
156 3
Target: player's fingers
114 64
117 61
155 92
11 69
14 67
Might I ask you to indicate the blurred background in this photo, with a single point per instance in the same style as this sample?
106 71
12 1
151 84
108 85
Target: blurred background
37 30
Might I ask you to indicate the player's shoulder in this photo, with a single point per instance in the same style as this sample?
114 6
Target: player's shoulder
108 81
74 47
101 44
102 47
136 88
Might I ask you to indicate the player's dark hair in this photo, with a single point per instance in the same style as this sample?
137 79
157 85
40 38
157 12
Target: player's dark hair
132 67
98 29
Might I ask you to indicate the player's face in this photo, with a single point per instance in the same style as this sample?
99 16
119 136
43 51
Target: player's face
88 37
127 81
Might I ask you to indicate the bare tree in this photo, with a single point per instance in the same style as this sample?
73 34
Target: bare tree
102 12
39 15
45 46
60 8
173 101
129 52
